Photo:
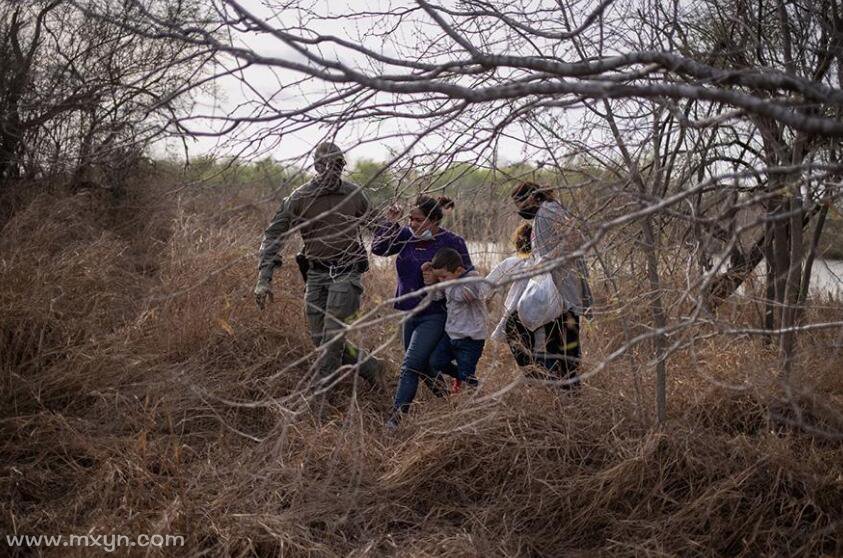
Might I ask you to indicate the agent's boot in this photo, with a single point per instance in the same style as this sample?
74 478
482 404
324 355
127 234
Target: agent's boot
373 370
369 368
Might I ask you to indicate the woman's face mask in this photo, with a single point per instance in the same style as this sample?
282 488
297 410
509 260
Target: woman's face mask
425 235
420 225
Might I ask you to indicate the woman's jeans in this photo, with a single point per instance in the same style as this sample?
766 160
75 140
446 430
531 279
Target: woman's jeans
421 336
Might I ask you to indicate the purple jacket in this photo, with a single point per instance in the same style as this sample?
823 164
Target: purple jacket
394 239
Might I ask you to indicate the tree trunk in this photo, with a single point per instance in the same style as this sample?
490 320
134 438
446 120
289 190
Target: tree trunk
781 256
651 255
659 319
728 282
793 282
809 262
769 283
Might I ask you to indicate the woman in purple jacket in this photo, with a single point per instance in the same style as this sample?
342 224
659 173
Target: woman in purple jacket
415 245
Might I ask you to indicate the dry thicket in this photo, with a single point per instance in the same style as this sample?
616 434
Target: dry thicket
144 393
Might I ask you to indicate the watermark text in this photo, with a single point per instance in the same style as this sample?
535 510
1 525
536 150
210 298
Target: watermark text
106 542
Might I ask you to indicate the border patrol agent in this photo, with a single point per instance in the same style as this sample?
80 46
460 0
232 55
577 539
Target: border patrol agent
329 212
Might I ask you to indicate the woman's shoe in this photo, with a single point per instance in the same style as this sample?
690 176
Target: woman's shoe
392 424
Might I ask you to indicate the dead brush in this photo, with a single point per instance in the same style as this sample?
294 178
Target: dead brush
157 399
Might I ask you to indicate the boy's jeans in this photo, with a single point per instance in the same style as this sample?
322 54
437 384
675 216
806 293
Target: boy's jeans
465 351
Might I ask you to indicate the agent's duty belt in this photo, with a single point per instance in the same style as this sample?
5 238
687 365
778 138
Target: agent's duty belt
334 268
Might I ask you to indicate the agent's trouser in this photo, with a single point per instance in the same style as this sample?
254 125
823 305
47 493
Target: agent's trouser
560 355
331 302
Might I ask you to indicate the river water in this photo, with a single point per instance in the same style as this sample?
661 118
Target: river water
826 275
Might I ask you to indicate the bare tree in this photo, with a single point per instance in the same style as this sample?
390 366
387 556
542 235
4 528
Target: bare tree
717 120
80 92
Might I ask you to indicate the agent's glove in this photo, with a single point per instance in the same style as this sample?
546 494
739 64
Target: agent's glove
263 291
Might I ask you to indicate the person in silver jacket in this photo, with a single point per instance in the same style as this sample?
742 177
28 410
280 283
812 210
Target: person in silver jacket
554 346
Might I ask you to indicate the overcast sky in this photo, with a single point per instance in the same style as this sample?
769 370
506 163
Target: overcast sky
242 96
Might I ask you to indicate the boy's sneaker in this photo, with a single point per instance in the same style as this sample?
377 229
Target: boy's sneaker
456 386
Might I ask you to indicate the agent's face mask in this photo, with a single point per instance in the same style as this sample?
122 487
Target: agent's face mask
424 235
330 170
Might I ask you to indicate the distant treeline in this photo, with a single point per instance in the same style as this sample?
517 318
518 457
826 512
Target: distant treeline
483 209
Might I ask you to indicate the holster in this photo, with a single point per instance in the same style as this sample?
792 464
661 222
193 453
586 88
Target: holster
304 265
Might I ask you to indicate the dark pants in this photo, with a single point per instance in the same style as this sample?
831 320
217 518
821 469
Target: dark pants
561 356
466 352
421 335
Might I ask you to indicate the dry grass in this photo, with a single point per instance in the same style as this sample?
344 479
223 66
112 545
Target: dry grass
144 393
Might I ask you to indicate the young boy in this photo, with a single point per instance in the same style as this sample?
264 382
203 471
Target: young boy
465 327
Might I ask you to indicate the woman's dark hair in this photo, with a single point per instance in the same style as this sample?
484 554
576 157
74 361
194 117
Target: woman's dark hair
522 238
432 208
527 189
446 258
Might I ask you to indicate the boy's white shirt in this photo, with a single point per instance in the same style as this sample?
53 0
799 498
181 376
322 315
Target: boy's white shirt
467 312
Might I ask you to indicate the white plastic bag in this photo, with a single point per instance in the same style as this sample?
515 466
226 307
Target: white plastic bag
540 304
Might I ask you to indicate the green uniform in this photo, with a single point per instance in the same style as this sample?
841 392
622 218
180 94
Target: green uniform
328 215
